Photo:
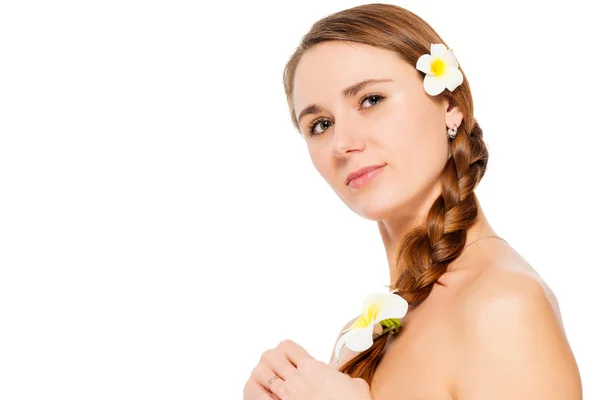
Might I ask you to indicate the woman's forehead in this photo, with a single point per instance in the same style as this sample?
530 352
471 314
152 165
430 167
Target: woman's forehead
328 68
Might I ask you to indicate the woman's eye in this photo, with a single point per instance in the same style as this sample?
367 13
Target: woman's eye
372 98
315 125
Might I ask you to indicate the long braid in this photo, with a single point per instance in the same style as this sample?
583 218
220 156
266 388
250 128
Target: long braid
427 250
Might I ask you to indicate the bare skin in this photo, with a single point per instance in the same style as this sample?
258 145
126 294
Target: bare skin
495 331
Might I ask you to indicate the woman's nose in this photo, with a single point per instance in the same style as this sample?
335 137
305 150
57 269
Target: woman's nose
347 137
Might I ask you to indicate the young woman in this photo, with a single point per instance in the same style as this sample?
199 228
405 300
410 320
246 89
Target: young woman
387 116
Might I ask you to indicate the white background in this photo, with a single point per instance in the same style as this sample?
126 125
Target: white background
161 224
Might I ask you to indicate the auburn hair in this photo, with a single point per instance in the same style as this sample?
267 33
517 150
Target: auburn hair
423 255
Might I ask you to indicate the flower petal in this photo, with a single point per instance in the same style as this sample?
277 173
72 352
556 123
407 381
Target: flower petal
360 339
434 85
424 63
453 77
450 59
354 339
339 345
371 306
438 50
392 306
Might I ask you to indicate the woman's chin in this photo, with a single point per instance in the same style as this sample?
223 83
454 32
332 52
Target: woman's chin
372 210
375 204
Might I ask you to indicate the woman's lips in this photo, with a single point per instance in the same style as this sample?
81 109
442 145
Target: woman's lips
363 179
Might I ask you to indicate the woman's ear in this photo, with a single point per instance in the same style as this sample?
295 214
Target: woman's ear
454 115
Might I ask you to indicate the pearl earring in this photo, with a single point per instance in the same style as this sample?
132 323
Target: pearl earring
452 132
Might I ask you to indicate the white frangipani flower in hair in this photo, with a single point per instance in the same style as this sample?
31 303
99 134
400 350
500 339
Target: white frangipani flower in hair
441 69
380 310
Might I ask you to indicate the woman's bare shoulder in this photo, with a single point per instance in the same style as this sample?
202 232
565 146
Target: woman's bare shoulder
512 330
515 280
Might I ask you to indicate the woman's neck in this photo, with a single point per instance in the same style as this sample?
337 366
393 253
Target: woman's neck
392 235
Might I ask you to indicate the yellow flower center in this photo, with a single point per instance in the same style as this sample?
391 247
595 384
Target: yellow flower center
437 67
367 318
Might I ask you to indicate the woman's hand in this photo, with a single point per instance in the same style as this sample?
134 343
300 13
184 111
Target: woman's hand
318 381
282 361
302 377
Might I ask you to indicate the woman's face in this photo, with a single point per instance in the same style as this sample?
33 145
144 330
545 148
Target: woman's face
394 122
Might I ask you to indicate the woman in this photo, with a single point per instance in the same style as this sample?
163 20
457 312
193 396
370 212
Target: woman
387 116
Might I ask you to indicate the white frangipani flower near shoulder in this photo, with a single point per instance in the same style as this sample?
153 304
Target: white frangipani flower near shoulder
441 68
380 310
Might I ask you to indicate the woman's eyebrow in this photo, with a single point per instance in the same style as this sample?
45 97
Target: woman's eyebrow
348 92
357 87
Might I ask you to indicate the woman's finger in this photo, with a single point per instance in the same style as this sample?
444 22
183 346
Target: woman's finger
254 391
293 351
281 362
275 361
